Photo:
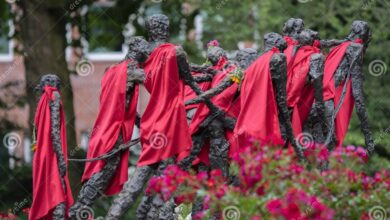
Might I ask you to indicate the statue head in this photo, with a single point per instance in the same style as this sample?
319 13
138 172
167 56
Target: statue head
138 49
48 80
245 57
360 29
214 54
157 27
307 37
293 27
274 40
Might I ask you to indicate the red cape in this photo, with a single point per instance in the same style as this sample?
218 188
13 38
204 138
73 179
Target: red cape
190 94
164 128
291 43
258 118
344 115
47 186
111 120
300 96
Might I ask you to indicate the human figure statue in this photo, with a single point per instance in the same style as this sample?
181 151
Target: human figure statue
113 127
50 157
304 83
262 116
343 85
204 125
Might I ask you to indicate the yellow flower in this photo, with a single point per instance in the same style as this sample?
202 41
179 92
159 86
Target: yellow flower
33 147
235 79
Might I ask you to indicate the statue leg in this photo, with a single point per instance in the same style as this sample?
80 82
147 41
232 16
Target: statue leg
197 145
143 208
329 110
157 202
95 186
59 212
128 196
219 148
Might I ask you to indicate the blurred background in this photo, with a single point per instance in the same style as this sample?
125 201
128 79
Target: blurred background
78 39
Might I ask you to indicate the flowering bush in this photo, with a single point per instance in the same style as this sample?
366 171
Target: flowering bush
274 185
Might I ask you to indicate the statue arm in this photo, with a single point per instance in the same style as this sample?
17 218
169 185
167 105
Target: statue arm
278 67
330 43
316 72
226 83
203 78
358 95
55 132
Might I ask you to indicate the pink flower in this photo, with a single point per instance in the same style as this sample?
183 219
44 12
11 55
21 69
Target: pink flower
274 206
213 43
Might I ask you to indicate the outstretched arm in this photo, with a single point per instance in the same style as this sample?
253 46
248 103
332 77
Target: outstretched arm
358 95
316 72
330 43
203 78
278 67
55 132
226 83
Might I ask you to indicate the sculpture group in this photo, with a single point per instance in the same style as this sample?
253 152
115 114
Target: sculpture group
198 116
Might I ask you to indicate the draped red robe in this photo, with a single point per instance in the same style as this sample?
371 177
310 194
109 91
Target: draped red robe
47 187
258 118
300 95
164 128
112 120
344 115
291 43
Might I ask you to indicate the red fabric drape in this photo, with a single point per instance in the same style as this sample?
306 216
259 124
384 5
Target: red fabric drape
291 43
344 115
258 118
112 120
300 96
164 129
47 187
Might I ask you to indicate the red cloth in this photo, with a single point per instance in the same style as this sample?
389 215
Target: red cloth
300 96
112 120
344 115
258 118
190 94
291 43
164 128
47 187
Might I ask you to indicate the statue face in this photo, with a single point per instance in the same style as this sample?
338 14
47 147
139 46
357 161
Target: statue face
157 27
307 37
298 25
214 54
245 57
293 26
274 40
48 80
139 47
360 29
